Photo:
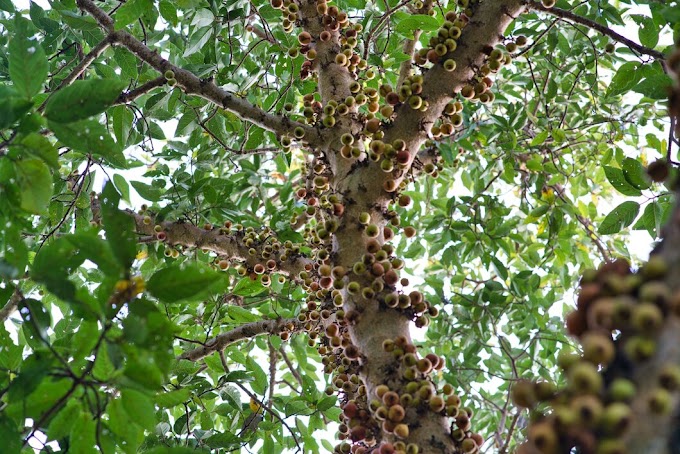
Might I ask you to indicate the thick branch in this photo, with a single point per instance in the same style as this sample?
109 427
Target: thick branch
657 433
246 331
191 84
568 15
11 306
228 245
409 49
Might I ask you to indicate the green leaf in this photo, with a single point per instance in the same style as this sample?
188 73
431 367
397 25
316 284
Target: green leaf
28 66
82 99
241 315
10 435
248 287
119 228
223 440
171 398
326 402
180 282
82 439
35 182
131 11
96 250
618 180
37 321
540 138
13 106
198 41
175 450
119 422
410 23
7 5
238 376
139 408
635 173
92 138
619 218
33 370
52 266
168 11
61 424
122 185
655 86
259 385
648 32
148 192
40 146
625 78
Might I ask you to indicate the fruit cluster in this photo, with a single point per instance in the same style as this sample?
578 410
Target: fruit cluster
618 318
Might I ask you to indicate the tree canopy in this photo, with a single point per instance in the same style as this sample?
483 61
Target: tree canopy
346 226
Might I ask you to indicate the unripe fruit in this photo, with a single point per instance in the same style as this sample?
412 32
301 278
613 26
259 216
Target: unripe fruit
523 394
621 390
450 64
588 408
584 378
598 348
647 318
616 418
544 437
169 74
396 413
660 401
380 390
401 430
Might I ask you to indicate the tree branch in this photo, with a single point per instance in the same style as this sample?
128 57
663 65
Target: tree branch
11 305
409 49
654 433
231 246
246 331
568 15
193 85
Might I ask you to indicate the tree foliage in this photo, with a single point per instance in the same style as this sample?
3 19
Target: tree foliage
221 223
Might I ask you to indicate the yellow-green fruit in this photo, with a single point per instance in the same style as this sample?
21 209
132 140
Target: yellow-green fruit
616 418
611 447
523 394
401 430
169 74
584 378
450 64
621 390
544 436
669 377
598 348
660 401
437 404
588 409
647 318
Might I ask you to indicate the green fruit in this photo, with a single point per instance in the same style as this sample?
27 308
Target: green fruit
169 74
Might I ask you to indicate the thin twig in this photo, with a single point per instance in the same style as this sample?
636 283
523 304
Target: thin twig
568 15
247 331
